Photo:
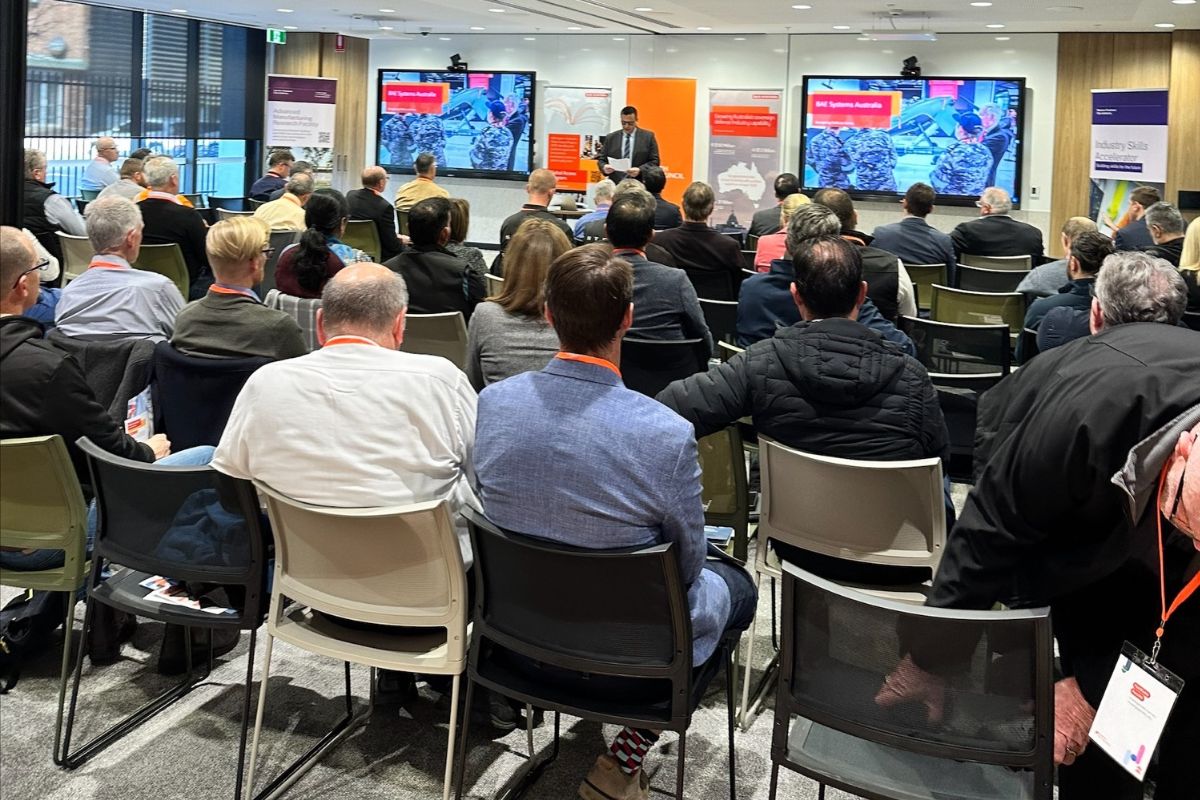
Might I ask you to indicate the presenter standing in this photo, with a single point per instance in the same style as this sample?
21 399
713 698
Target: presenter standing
631 143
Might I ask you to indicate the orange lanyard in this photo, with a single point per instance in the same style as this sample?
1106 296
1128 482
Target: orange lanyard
599 362
100 263
349 339
1184 593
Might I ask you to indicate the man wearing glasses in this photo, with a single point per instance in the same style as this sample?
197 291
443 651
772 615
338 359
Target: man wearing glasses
637 145
100 172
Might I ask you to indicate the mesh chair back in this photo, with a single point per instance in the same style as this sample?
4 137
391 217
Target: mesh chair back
399 565
924 276
978 308
980 279
227 213
840 646
302 309
1018 263
279 241
711 284
878 512
228 203
494 284
89 194
948 349
363 235
194 396
77 252
166 260
442 335
721 317
648 366
197 200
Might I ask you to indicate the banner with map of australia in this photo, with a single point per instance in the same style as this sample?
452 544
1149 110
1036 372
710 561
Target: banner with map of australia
744 147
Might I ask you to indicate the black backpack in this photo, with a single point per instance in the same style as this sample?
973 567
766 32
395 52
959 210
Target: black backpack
26 624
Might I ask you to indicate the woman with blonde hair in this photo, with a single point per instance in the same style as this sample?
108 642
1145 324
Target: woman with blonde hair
508 333
774 245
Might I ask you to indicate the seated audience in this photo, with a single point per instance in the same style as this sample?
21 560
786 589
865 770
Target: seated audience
100 172
603 197
1047 279
45 210
595 231
765 303
540 190
460 224
1133 234
1167 229
279 166
913 240
995 233
46 303
437 280
230 321
304 267
1088 251
666 213
767 221
287 213
369 203
421 187
665 303
111 299
298 168
888 284
1189 264
509 334
532 443
168 221
773 246
132 182
698 247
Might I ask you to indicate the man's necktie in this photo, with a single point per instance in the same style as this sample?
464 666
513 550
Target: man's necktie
628 146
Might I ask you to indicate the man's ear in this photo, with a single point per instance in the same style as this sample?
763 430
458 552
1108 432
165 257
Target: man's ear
398 327
321 337
1096 317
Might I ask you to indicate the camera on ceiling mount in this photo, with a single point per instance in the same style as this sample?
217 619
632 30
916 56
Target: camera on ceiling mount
457 64
911 68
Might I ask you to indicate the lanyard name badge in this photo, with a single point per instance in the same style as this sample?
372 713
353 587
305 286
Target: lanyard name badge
1141 692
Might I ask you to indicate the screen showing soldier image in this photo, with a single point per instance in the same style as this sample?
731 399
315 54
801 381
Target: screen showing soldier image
476 124
875 137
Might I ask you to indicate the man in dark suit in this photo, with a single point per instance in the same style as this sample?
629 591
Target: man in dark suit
1135 235
368 203
666 213
995 233
914 240
168 221
699 248
768 221
632 142
438 281
279 166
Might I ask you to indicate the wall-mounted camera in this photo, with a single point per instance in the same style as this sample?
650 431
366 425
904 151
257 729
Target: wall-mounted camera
457 64
911 68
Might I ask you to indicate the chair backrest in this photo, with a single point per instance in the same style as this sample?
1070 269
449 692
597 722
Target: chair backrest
494 284
748 259
1019 263
980 279
721 316
41 502
398 565
924 276
723 482
279 240
362 234
193 396
166 260
228 203
839 646
81 204
402 222
254 205
712 284
648 366
116 370
89 194
1192 319
946 348
226 213
877 512
752 242
978 308
197 200
1029 345
727 350
302 309
442 335
77 252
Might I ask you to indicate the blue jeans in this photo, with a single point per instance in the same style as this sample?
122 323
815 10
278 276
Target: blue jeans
50 559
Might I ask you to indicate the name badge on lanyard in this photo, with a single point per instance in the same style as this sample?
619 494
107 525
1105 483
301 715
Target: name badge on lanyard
1134 710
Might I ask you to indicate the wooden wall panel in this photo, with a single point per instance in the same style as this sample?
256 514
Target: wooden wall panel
1183 137
300 56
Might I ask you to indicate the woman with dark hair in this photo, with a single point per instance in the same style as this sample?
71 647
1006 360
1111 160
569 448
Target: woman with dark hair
304 268
460 222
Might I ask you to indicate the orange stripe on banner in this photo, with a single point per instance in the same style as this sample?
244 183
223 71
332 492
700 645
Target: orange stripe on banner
667 106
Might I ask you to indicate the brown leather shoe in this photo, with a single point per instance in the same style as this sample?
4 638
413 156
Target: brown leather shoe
606 781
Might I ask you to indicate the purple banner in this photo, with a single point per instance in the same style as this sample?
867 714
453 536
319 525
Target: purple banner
301 90
1140 107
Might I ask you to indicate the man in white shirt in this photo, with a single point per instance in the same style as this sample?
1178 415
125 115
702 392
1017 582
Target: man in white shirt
100 172
287 213
112 300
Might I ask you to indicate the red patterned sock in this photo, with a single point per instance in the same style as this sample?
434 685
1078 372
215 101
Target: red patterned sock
630 746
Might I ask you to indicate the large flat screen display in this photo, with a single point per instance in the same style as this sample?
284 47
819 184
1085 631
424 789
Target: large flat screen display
477 124
875 137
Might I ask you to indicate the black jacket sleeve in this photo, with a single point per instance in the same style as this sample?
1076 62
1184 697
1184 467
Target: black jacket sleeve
712 400
652 156
72 411
385 221
194 237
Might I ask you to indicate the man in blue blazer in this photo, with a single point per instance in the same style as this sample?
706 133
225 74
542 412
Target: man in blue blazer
570 455
912 239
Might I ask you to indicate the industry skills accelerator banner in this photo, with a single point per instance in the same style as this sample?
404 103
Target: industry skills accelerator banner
1128 150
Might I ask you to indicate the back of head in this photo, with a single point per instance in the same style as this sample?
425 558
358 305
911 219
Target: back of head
142 153
698 200
542 183
1145 196
233 244
427 219
302 166
371 177
1166 218
130 167
460 219
324 214
363 299
654 179
786 184
424 162
630 221
16 256
1076 226
159 171
634 187
919 199
34 160
1190 257
839 203
279 157
1089 249
810 221
530 252
587 293
1137 287
109 221
828 275
789 205
604 192
299 184
998 199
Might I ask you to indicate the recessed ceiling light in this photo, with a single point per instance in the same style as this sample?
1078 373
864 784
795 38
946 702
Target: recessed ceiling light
618 38
1184 2
478 28
864 38
996 26
643 8
385 27
739 38
284 10
703 28
981 5
387 11
841 27
574 28
1003 38
802 7
444 38
1064 9
780 50
531 38
497 10
1164 24
291 27
179 11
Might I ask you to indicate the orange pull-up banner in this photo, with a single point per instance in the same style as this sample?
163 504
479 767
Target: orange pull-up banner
667 106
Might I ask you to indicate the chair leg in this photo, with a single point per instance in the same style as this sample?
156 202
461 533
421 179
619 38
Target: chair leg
68 632
462 742
258 718
66 744
774 617
529 728
246 694
448 780
774 780
730 662
680 766
820 791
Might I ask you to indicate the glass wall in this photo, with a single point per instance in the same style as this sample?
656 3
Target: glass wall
187 89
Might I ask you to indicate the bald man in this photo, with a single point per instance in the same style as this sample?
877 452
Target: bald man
100 172
369 203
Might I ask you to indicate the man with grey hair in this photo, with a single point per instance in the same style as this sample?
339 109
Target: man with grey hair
287 213
596 230
603 198
1046 280
765 301
112 300
45 210
1167 228
169 221
369 203
996 233
100 172
298 168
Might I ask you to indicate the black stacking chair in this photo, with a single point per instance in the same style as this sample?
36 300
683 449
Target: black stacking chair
841 645
280 240
193 396
981 279
190 524
569 644
721 316
748 259
712 284
648 366
229 203
1029 345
